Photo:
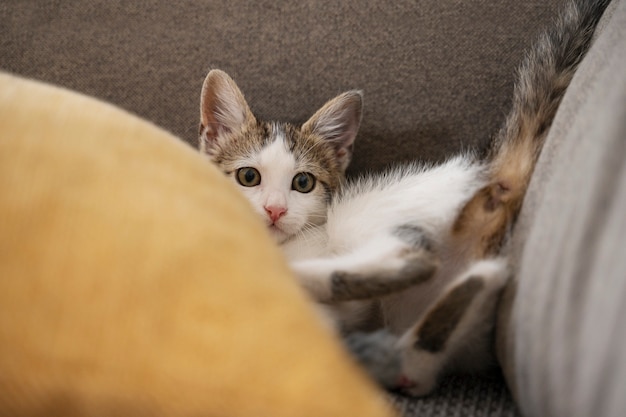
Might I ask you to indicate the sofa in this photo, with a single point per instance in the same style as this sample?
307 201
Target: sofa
122 281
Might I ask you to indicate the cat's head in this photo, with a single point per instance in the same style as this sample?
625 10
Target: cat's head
287 172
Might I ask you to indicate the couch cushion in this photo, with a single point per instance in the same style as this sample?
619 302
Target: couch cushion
565 347
437 75
135 280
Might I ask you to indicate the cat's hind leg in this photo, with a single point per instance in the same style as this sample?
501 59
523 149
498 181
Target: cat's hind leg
455 332
382 265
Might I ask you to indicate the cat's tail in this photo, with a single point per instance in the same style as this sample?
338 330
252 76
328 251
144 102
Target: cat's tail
543 78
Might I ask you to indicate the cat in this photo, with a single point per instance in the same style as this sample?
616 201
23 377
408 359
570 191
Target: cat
416 251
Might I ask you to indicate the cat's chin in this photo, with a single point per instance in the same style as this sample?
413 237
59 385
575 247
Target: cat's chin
278 234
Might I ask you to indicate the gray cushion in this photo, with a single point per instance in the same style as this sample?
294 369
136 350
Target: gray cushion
565 348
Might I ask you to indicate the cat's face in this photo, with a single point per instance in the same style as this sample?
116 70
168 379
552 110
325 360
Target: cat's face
283 173
287 173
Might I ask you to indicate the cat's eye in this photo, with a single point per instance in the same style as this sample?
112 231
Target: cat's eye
248 177
303 182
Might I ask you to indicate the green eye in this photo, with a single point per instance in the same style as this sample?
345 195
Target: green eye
303 182
248 177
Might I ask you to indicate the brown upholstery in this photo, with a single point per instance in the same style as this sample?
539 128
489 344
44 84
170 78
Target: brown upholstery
437 76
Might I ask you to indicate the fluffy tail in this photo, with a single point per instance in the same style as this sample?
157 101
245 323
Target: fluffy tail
543 78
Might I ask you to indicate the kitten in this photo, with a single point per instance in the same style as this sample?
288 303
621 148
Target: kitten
416 251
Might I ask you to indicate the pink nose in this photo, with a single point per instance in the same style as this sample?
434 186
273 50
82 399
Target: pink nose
275 212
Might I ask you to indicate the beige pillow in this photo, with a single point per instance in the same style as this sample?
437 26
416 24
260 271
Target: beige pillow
134 280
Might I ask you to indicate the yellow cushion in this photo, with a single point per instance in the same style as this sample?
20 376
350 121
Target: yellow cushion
134 280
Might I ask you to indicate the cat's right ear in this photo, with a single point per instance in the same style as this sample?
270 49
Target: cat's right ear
223 109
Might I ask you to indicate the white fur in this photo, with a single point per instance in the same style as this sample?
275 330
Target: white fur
362 219
428 197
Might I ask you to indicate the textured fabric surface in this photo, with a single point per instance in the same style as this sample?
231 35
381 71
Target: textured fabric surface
462 396
119 295
567 339
437 76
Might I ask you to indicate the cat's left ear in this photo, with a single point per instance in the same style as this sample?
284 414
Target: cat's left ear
338 122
